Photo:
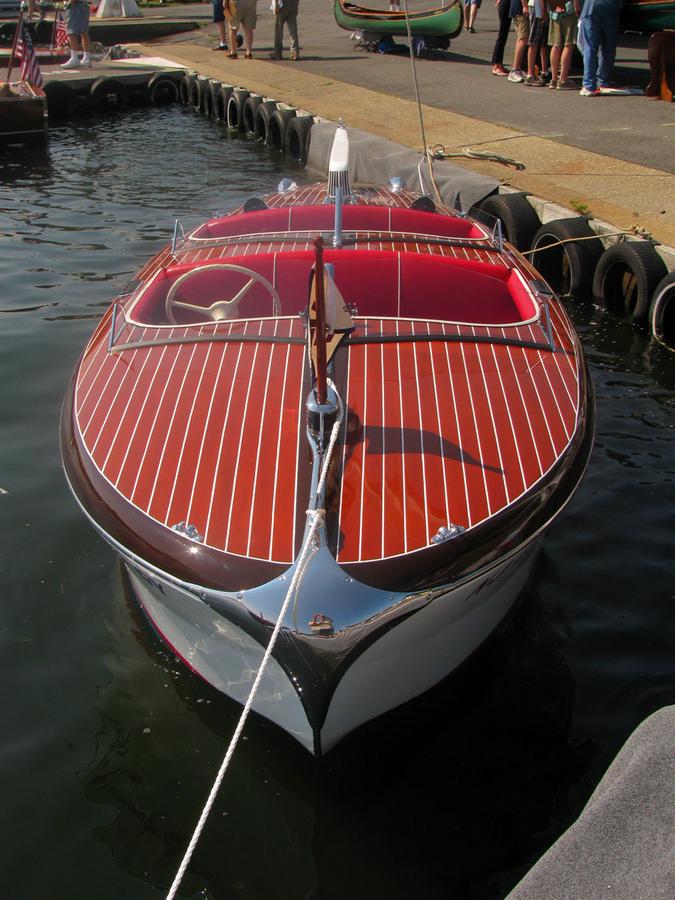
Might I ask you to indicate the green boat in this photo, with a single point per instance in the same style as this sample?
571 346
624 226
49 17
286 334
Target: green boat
443 21
647 15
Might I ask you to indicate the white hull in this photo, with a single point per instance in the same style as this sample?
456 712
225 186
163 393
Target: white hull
408 659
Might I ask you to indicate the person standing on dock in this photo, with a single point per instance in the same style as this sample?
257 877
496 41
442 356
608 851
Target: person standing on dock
503 11
520 16
285 13
471 8
599 27
562 34
77 25
219 21
241 14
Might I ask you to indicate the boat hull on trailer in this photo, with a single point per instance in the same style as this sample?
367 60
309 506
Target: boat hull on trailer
396 507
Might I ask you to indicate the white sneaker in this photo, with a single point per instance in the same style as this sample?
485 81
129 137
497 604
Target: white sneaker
73 63
85 62
516 75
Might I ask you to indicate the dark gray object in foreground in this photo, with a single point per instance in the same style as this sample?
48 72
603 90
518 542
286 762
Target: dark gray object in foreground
623 844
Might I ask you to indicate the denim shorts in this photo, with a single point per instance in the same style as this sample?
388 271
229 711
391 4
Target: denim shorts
218 15
78 18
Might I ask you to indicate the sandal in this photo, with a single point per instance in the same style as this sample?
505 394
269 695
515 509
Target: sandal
232 55
248 55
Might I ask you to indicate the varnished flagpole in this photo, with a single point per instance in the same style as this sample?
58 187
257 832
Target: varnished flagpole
12 52
320 331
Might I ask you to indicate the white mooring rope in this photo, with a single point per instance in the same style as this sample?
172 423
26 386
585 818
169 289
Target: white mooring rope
316 519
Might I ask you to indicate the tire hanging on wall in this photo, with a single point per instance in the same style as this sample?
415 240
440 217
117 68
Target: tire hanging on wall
209 99
235 110
197 92
568 268
662 311
108 93
261 120
626 277
518 217
162 89
59 99
296 141
276 134
248 113
185 87
222 98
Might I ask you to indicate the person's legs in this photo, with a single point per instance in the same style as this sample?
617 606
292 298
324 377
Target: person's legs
565 62
590 47
248 39
522 27
279 19
78 35
607 53
519 55
502 36
292 25
219 22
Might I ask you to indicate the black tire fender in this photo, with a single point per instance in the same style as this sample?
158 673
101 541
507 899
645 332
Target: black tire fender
210 98
276 133
248 113
296 141
59 99
109 93
626 278
235 109
197 92
662 311
185 87
569 267
162 89
261 120
518 217
222 99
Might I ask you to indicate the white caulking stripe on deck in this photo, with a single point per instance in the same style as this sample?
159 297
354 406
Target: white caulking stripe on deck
512 385
143 422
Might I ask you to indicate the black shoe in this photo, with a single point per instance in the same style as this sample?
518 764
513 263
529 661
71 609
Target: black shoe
221 47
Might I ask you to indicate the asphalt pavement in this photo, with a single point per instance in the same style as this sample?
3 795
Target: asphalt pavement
613 155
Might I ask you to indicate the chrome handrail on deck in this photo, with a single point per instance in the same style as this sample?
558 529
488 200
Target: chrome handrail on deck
174 241
117 309
544 293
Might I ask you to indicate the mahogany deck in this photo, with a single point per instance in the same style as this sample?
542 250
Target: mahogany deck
211 432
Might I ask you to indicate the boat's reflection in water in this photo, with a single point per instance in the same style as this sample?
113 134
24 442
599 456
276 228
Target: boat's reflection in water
453 794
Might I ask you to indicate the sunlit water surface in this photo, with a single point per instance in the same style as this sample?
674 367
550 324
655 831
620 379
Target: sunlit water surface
109 745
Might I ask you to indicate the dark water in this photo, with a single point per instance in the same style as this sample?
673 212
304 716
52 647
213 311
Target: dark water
109 746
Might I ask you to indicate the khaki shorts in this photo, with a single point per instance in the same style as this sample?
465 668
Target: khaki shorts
562 32
522 26
245 14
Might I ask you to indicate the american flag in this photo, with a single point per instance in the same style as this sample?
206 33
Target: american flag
61 36
30 69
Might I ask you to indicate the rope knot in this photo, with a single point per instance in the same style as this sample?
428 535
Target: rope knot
316 516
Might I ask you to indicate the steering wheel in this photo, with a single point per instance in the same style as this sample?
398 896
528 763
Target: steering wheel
221 310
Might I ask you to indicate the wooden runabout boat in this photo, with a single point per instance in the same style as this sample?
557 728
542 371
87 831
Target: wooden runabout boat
362 360
442 21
